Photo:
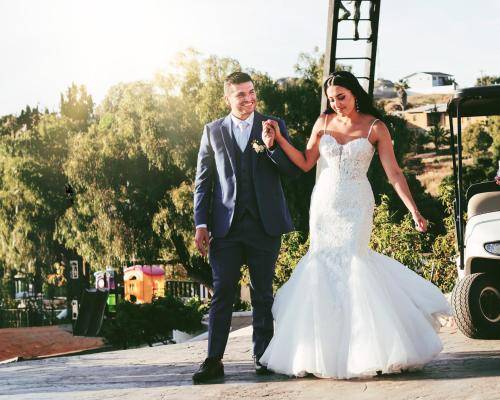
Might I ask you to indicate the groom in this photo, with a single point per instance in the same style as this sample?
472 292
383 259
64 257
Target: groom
240 213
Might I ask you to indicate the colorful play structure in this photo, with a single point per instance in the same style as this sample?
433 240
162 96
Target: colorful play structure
143 283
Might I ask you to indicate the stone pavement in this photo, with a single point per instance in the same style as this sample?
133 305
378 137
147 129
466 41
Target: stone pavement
467 369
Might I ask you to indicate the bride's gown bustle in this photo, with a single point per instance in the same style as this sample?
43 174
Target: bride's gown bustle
348 311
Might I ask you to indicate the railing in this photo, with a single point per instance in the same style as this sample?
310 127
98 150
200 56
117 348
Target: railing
186 289
22 318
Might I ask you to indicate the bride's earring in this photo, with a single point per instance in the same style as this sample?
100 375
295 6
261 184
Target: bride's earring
357 105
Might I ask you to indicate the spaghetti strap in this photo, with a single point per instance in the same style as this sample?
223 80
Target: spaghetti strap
371 126
324 125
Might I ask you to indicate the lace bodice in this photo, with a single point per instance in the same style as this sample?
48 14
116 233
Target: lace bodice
349 161
342 202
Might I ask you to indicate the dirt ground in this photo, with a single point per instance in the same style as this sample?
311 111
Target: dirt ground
43 341
36 342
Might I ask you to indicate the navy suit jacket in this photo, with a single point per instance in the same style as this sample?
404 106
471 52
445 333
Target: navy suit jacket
215 183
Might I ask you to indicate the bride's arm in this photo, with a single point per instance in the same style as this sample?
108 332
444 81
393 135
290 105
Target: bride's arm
385 149
306 160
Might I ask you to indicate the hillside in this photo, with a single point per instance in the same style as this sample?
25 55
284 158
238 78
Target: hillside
413 101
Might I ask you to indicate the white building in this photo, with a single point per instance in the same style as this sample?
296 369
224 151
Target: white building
430 83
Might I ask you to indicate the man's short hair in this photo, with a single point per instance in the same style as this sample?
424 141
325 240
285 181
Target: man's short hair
235 79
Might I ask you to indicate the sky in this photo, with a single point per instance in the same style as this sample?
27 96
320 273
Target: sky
45 45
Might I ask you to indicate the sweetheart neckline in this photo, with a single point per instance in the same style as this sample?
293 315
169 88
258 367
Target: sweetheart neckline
350 141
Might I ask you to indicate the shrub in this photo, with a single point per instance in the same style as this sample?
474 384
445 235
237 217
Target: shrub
400 241
293 247
136 324
429 256
476 140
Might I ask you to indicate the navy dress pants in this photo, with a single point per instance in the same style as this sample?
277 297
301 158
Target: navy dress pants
246 244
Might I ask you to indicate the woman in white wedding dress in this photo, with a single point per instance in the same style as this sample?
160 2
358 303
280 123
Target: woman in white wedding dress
348 311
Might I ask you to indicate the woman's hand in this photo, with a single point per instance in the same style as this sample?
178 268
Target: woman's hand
268 135
420 222
274 126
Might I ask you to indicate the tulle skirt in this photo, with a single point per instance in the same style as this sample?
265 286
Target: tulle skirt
342 321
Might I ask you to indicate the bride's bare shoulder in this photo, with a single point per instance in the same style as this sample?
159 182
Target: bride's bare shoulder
319 128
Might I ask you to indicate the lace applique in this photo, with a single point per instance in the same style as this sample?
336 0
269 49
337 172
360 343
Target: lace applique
350 160
342 202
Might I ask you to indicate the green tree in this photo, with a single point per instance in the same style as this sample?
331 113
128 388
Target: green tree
493 126
488 80
476 140
439 136
400 88
120 169
27 119
77 105
32 196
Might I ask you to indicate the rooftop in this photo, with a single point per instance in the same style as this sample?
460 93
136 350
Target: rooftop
428 108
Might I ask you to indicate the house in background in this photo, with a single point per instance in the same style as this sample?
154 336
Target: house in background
430 83
429 115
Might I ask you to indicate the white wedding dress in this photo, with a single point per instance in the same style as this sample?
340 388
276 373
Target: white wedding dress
348 311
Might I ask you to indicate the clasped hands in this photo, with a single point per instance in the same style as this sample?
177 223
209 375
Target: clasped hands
270 133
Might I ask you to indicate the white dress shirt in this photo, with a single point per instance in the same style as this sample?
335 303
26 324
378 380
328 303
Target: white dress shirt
241 130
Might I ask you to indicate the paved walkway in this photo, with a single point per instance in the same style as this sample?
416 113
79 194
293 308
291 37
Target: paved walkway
467 369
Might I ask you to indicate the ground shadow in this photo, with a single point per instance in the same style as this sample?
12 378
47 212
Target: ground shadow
44 376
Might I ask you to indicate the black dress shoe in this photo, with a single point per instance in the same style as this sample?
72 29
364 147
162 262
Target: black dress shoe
211 368
261 369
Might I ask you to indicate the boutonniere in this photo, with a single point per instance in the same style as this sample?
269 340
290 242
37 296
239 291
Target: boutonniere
257 146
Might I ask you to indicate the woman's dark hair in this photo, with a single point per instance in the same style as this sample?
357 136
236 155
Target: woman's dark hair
349 81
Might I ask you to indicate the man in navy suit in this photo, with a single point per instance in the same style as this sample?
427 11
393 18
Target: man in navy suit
240 213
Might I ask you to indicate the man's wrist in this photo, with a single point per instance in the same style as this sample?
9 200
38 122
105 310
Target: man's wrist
201 226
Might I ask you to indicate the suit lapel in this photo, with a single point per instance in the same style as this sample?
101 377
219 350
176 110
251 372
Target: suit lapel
228 141
256 135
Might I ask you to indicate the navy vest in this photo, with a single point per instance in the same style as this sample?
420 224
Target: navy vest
246 199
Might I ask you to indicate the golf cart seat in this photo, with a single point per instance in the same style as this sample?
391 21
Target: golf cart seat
483 198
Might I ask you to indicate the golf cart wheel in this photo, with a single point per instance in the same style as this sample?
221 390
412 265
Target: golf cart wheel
476 306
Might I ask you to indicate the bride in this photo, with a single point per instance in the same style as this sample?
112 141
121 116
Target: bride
348 311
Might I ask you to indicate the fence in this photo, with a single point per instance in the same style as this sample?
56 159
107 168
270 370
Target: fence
187 289
22 318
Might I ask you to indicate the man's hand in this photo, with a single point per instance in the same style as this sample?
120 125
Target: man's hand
201 240
273 125
267 134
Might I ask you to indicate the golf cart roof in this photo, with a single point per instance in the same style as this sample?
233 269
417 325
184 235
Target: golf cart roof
476 101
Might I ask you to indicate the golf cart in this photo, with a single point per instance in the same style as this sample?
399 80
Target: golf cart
476 297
